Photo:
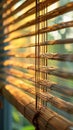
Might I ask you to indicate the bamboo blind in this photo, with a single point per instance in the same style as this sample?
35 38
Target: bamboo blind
36 60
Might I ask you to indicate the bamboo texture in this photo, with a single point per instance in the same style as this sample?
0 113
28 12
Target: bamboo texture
16 98
48 84
36 58
47 29
44 69
12 3
28 13
52 14
52 42
57 102
54 56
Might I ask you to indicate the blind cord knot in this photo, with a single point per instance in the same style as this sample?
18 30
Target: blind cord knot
35 120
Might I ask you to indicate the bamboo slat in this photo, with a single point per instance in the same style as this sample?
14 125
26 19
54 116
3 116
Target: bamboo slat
46 29
54 56
52 14
18 73
55 27
13 62
66 90
55 101
53 71
44 69
19 55
25 4
31 11
47 119
52 42
56 12
12 3
22 6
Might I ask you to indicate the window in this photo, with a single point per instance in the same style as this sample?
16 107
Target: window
36 61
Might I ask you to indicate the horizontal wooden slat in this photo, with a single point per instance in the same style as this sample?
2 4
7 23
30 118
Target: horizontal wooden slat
47 29
27 107
31 11
52 42
22 6
56 12
49 85
66 90
54 56
55 27
52 14
44 69
55 101
12 3
18 73
13 62
25 4
18 55
53 71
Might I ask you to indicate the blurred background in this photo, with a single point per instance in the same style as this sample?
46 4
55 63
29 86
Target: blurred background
19 122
